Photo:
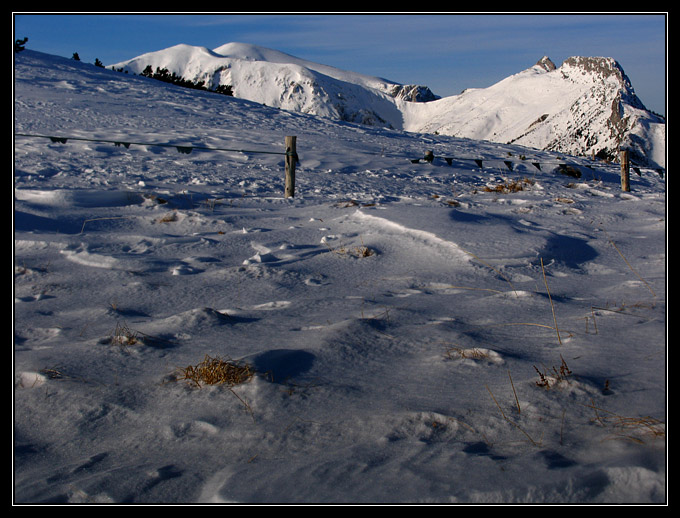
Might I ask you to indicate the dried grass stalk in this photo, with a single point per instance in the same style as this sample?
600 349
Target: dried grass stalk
631 428
511 421
548 379
552 306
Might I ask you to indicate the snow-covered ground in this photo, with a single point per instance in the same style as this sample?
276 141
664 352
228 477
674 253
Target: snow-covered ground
416 332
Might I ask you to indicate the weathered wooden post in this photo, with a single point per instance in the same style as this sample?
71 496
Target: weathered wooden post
291 159
625 171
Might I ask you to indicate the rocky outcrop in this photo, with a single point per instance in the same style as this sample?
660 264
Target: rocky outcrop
413 93
546 64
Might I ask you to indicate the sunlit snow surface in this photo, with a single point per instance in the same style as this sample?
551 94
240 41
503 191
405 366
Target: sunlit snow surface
416 337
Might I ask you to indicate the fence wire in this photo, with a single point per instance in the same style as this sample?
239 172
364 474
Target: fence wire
563 165
184 149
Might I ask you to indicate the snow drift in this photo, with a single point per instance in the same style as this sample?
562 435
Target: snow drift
418 332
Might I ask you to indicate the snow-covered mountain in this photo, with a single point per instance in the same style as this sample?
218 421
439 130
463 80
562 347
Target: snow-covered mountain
587 106
280 80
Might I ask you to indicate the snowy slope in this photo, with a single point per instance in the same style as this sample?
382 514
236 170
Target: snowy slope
277 79
499 113
258 53
586 106
419 332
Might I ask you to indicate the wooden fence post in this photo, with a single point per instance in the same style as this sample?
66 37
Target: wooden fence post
291 159
625 171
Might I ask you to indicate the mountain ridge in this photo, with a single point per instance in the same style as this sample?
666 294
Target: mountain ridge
586 106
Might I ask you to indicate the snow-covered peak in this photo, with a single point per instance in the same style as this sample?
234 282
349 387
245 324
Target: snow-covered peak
592 68
253 53
587 106
249 52
278 79
175 58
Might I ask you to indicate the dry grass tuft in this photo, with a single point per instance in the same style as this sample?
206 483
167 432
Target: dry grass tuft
510 186
123 335
635 429
354 251
346 203
472 353
362 251
169 217
216 371
549 378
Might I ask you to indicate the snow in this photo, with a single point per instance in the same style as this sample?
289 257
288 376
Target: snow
417 335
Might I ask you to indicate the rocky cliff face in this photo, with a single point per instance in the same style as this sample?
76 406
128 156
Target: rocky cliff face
546 64
606 115
413 93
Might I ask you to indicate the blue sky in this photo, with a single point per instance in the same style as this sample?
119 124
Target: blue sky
447 52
